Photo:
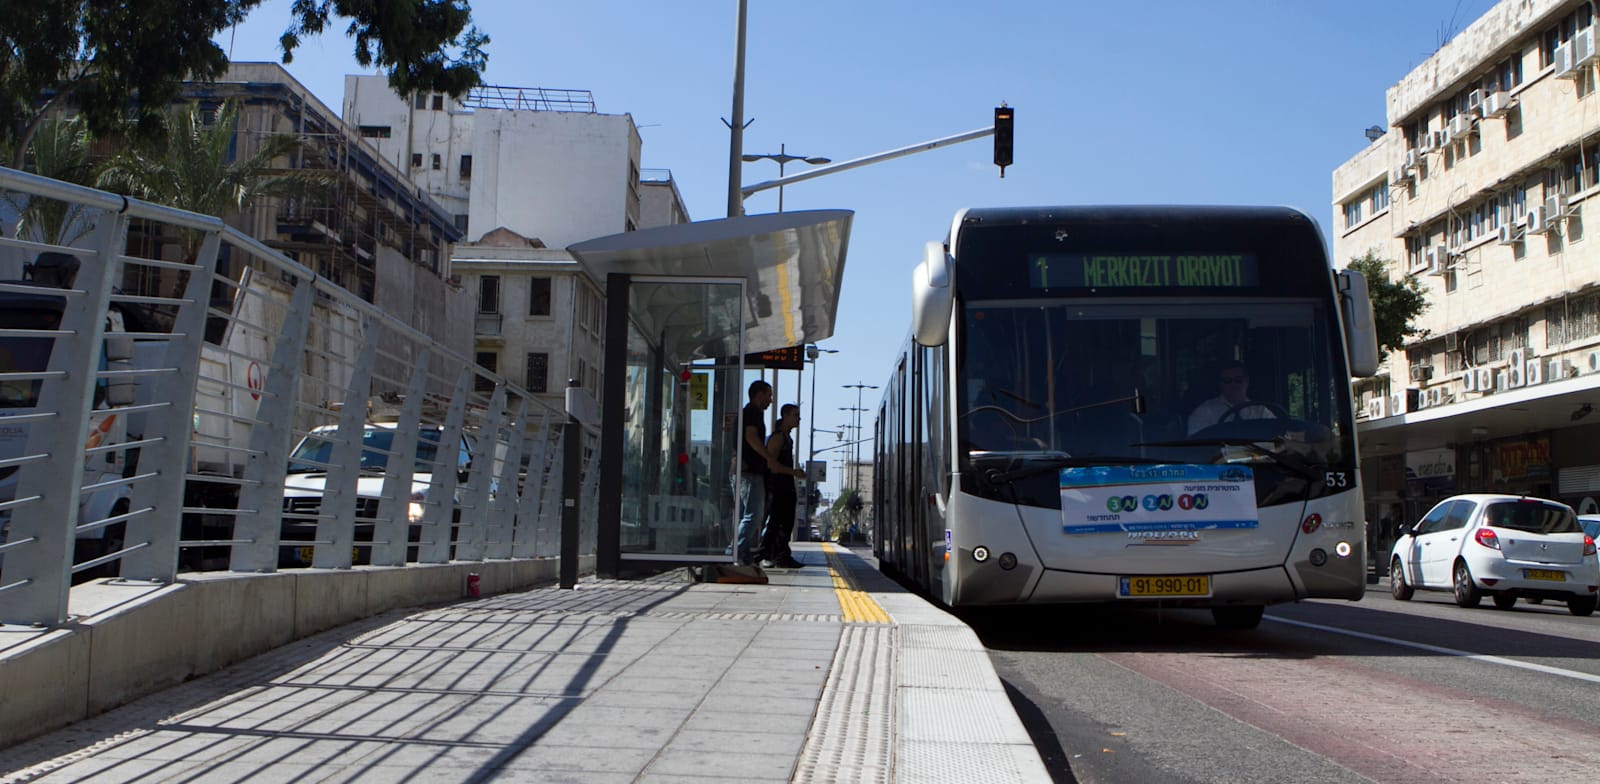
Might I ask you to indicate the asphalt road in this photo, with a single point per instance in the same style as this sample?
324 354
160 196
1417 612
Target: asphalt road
1376 690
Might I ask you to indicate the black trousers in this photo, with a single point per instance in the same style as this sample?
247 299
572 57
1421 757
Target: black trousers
780 526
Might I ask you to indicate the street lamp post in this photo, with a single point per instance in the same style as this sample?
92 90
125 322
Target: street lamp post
782 156
813 351
855 481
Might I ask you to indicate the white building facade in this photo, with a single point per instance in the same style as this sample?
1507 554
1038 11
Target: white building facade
1480 190
526 172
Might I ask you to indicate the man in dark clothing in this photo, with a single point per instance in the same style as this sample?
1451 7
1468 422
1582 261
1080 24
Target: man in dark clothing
782 499
753 467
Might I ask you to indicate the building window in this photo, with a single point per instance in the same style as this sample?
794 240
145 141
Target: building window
490 361
438 163
538 380
461 223
466 166
438 103
416 160
539 296
1352 213
420 101
1380 198
489 294
375 131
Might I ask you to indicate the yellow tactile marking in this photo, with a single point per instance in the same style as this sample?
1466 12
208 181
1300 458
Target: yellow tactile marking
857 605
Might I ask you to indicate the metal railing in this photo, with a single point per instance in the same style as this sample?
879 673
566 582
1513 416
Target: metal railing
144 435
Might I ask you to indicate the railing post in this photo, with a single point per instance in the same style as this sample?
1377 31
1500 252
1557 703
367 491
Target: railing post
530 505
392 529
37 579
503 507
173 426
475 514
438 511
259 525
336 524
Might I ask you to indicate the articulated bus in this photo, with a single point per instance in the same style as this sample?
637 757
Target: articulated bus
1145 405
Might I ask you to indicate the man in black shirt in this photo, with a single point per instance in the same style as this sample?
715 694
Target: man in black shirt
775 550
753 467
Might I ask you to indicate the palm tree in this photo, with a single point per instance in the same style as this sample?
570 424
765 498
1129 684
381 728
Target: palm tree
60 151
196 169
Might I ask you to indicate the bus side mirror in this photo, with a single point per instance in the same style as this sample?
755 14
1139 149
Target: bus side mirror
932 298
1360 332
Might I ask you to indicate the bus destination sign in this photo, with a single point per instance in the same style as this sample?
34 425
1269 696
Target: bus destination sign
1146 271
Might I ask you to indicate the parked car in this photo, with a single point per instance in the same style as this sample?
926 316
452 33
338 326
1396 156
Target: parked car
1591 525
1505 547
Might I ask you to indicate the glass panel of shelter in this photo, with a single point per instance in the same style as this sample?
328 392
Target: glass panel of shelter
683 395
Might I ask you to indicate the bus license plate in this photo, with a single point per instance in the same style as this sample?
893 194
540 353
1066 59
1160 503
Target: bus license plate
1545 574
1164 585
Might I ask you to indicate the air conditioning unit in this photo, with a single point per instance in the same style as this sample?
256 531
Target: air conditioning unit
1469 380
1564 64
1452 341
1560 369
1421 372
1425 142
1442 138
1509 234
1555 207
1502 379
1495 103
1533 372
1475 102
1413 158
1591 361
1485 382
1437 256
1376 408
1515 377
1538 221
1518 356
1436 397
1460 126
1582 47
1397 404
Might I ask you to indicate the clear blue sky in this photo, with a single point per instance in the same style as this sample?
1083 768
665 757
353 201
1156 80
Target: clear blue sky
1232 101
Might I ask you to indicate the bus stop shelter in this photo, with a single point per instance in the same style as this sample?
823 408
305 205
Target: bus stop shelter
685 304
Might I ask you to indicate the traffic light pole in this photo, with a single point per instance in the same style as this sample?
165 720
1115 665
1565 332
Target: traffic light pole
1001 129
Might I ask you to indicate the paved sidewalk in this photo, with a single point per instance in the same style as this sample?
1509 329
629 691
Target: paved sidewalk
828 673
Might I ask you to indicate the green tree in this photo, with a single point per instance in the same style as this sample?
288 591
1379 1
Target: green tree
195 169
60 151
110 60
1395 304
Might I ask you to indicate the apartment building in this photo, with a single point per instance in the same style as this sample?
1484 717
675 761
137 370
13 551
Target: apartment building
525 172
1480 189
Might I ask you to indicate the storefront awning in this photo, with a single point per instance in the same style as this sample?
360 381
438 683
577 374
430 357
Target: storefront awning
792 262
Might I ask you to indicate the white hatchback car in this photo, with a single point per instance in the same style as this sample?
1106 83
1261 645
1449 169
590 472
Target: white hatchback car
1505 547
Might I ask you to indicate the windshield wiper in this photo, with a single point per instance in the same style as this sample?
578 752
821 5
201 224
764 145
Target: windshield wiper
996 476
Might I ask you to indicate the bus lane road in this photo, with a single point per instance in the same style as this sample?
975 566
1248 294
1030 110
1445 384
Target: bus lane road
1324 691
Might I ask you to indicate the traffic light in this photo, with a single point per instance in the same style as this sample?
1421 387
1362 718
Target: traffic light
1003 119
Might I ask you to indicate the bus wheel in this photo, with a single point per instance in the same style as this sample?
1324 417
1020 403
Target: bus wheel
1245 617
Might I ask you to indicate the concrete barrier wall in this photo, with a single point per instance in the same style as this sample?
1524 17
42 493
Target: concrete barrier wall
133 639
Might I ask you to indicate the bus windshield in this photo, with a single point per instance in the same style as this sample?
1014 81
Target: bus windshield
1052 383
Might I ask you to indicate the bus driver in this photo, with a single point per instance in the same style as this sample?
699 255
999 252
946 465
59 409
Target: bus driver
1233 391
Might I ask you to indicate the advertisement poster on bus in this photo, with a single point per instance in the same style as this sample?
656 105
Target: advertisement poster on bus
1107 499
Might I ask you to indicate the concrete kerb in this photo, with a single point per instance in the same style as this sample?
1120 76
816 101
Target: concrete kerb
131 639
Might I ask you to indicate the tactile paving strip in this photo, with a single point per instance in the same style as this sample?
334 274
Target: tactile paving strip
852 735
